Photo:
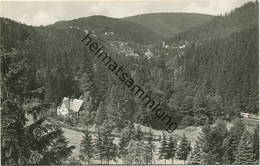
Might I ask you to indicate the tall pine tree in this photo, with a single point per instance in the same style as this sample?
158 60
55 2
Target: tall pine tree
245 152
212 149
171 148
106 148
163 148
184 148
256 143
99 146
149 148
12 133
123 143
195 155
200 144
36 143
86 147
231 142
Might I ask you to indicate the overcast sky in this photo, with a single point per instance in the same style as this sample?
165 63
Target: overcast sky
47 12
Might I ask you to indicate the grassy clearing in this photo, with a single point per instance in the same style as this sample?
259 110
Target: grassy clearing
75 138
192 133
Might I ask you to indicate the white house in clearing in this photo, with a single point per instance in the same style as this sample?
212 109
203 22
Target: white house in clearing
69 105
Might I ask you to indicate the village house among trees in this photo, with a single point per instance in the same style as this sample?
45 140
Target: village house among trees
70 106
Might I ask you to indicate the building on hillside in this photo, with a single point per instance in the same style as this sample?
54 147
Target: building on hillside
248 116
70 106
244 115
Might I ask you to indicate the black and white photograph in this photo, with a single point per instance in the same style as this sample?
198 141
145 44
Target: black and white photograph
129 82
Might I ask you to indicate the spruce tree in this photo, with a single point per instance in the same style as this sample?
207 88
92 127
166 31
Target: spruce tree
106 148
163 148
195 155
149 148
245 152
47 142
12 133
36 143
198 153
12 114
127 134
138 133
86 147
256 143
171 148
184 148
60 149
123 143
212 146
99 146
231 142
110 149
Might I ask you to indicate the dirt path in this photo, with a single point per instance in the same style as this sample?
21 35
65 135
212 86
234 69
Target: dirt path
75 138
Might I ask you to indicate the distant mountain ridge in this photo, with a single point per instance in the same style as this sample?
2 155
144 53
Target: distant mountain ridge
123 29
168 24
142 29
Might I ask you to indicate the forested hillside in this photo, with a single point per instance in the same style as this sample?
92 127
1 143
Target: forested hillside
222 25
11 32
168 24
228 66
221 57
182 75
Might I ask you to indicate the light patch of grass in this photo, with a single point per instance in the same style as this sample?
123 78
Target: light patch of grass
75 138
191 132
